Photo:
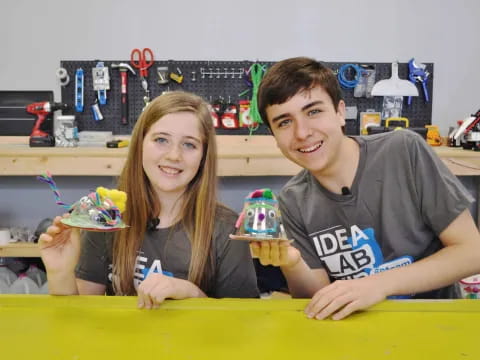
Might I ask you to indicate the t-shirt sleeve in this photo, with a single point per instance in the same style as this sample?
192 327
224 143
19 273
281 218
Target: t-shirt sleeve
235 273
93 262
291 218
440 194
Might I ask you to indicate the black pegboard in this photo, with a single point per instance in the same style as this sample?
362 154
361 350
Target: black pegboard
213 80
419 113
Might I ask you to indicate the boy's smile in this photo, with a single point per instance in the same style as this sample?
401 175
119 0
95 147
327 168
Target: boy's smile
311 148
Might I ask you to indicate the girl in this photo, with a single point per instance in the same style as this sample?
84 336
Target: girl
176 245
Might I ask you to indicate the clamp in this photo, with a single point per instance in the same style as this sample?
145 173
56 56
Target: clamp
101 81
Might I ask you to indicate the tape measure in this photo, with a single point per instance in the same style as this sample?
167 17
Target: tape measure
117 143
62 76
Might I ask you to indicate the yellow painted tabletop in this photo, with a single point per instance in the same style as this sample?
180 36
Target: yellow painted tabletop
89 327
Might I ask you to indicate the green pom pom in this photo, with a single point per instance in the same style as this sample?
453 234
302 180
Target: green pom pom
268 194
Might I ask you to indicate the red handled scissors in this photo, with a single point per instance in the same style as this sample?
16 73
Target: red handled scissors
142 60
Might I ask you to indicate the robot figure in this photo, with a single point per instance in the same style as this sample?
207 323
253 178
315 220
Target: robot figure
260 218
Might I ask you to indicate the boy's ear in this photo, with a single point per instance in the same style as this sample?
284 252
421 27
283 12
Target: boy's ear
341 108
341 111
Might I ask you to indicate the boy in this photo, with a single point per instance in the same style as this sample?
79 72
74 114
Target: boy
372 217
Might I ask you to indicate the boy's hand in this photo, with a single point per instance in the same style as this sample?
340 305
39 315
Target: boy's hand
276 253
344 297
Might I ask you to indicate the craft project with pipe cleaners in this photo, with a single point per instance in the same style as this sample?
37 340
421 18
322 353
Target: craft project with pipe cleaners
100 210
260 218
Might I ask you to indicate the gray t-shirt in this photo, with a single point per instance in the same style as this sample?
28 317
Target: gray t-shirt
168 251
402 198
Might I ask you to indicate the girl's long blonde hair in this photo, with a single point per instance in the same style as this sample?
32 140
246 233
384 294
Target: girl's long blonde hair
199 200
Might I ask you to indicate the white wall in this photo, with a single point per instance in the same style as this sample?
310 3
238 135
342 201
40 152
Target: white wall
36 35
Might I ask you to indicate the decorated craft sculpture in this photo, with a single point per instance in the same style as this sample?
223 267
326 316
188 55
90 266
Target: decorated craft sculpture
260 218
100 210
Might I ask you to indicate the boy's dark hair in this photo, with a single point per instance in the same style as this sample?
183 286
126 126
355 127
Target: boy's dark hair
287 77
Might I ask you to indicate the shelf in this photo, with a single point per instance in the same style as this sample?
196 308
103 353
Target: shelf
460 162
238 156
19 249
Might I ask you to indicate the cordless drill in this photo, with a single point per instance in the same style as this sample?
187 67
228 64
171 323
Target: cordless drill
39 138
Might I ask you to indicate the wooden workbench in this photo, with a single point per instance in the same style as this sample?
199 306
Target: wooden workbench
19 249
99 327
238 156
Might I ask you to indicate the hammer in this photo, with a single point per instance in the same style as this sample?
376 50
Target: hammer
123 68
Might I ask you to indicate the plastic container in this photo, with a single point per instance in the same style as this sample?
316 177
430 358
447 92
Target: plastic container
4 236
470 287
24 285
37 275
66 131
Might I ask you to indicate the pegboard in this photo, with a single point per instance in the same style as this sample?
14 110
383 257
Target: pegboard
213 80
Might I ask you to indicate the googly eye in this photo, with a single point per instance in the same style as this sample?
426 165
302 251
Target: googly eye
250 212
271 214
96 216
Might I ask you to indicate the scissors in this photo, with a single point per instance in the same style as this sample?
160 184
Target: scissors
142 60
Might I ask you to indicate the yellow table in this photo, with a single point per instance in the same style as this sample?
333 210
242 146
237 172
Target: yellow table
87 327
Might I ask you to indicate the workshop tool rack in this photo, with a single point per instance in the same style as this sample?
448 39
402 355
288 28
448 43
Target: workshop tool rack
214 80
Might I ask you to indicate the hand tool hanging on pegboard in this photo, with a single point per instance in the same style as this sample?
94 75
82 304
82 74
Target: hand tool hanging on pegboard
101 83
418 73
177 76
162 72
142 60
79 91
124 68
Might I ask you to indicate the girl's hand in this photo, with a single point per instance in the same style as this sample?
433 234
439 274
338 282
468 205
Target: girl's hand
59 247
158 287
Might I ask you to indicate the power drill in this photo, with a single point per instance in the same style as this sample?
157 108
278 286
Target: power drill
39 138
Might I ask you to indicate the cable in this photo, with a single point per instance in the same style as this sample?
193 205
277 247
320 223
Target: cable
344 82
256 74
